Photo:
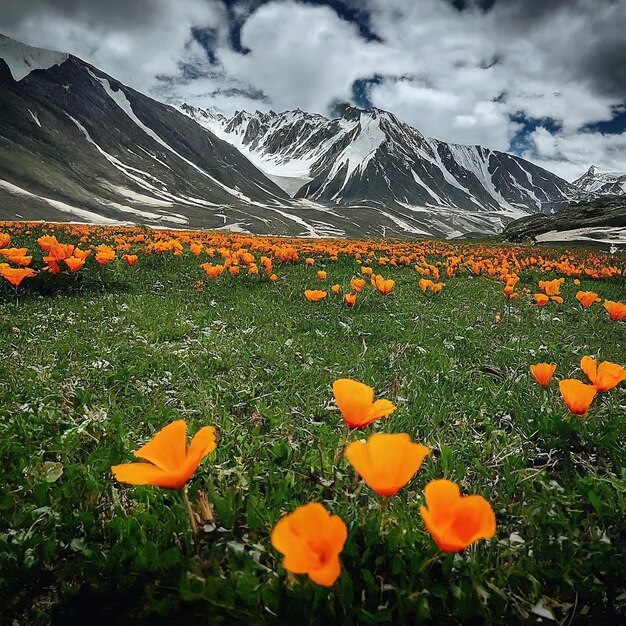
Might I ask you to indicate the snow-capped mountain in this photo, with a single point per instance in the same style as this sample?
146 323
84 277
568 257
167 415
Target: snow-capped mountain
602 183
76 144
371 156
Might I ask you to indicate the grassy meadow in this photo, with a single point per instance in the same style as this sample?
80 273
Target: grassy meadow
94 363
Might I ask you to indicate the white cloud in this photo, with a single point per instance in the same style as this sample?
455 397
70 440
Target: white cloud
457 76
135 43
569 154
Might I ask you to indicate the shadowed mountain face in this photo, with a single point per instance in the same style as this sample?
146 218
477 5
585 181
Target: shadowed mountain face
77 145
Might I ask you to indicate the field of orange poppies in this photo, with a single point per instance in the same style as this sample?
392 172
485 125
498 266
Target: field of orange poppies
215 428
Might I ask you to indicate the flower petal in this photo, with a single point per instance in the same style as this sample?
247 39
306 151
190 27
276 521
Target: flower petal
167 448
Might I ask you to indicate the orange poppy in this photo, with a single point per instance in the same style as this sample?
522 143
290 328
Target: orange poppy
5 240
311 539
350 299
196 248
385 287
587 298
356 403
314 295
366 271
131 259
81 254
273 278
357 284
386 462
322 275
14 275
336 289
577 395
104 254
616 310
212 271
453 520
74 264
541 299
309 261
171 463
233 270
604 376
425 284
543 372
551 287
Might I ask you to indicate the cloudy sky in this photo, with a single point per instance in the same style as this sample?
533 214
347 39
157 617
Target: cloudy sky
545 79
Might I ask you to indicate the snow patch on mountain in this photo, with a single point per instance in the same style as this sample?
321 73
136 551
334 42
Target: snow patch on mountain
23 59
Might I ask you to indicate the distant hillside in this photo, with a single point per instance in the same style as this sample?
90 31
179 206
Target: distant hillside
603 219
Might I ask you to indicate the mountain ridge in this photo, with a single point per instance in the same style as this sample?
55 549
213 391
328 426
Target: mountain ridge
77 144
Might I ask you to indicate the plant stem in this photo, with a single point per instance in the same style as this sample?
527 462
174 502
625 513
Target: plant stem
342 444
190 514
383 507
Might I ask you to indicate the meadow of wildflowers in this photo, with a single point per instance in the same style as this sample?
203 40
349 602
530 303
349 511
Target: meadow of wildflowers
202 427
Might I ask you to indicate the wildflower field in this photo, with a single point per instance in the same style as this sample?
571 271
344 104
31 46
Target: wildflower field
326 431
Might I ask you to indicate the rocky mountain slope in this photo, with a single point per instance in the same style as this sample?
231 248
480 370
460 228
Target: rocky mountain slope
602 183
602 220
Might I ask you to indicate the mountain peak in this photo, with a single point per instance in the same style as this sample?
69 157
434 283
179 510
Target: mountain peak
23 59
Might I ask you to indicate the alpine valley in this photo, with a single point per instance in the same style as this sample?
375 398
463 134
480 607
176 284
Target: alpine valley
78 145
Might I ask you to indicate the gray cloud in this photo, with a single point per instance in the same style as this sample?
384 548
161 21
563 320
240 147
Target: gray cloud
466 72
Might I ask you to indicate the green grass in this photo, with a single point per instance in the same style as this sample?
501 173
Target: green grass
90 372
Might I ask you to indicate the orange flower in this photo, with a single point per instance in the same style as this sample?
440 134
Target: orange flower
322 275
616 310
74 264
541 299
356 403
587 298
551 287
577 395
16 276
104 254
5 240
604 376
81 254
314 295
212 271
311 540
309 261
385 287
543 372
456 521
131 259
366 271
350 299
357 284
233 270
273 278
437 287
386 462
336 289
46 242
196 248
425 284
171 463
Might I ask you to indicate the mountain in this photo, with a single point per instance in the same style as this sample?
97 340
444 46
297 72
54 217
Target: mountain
602 183
602 220
76 144
370 157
